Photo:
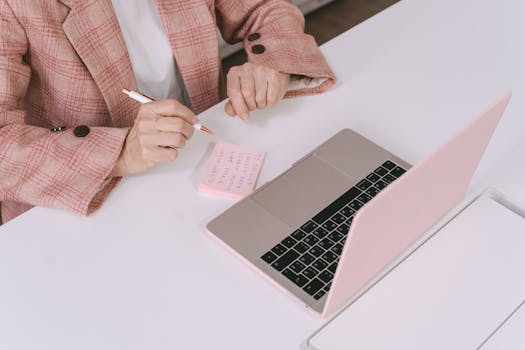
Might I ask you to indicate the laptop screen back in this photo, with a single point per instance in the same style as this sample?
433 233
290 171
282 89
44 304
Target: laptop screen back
400 214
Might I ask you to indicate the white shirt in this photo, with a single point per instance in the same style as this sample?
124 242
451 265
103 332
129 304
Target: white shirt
150 51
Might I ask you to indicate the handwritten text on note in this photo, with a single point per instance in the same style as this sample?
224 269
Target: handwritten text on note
231 171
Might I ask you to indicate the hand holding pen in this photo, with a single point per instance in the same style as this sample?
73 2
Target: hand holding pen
137 96
160 130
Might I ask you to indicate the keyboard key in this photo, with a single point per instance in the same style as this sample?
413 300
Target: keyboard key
336 205
338 249
320 232
307 259
301 247
356 205
329 225
388 178
312 287
285 260
381 171
389 165
336 235
298 235
279 249
288 242
319 294
363 184
310 272
327 287
269 257
329 256
347 211
338 218
372 191
380 184
320 265
326 243
329 284
343 230
332 267
311 240
316 251
297 266
295 278
309 226
364 198
398 171
373 177
349 220
326 276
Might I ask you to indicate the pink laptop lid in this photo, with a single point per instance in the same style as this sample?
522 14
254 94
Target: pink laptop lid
401 213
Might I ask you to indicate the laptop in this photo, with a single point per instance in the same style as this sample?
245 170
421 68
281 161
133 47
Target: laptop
335 220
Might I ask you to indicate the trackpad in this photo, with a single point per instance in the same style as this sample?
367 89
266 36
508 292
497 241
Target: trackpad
303 191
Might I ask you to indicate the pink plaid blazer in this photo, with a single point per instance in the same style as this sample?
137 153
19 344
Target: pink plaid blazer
64 62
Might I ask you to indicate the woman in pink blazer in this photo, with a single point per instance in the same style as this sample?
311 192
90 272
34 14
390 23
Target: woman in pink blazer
68 134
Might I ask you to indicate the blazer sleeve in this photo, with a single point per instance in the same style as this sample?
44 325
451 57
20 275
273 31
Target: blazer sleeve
273 35
38 166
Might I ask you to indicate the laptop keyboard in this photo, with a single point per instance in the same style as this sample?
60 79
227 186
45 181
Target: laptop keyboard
309 256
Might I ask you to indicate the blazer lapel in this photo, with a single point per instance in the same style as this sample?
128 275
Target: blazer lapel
192 33
93 30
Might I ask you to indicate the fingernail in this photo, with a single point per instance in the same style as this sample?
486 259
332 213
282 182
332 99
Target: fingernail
245 115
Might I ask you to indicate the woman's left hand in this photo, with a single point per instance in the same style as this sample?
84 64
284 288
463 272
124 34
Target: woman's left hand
252 86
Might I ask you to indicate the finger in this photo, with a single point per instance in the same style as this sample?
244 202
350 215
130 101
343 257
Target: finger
166 139
175 124
163 155
248 91
172 108
145 125
274 92
228 108
261 91
235 95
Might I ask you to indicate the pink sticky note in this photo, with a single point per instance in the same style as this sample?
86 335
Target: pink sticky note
231 171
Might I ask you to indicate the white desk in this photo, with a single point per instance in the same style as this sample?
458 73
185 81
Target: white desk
510 336
142 274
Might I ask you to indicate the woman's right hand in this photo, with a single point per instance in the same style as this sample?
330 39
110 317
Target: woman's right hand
161 127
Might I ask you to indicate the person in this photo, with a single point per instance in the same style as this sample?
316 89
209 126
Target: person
68 134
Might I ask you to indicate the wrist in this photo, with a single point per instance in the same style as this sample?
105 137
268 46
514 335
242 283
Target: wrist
119 168
116 171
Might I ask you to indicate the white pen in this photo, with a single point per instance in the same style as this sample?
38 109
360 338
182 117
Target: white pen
137 96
